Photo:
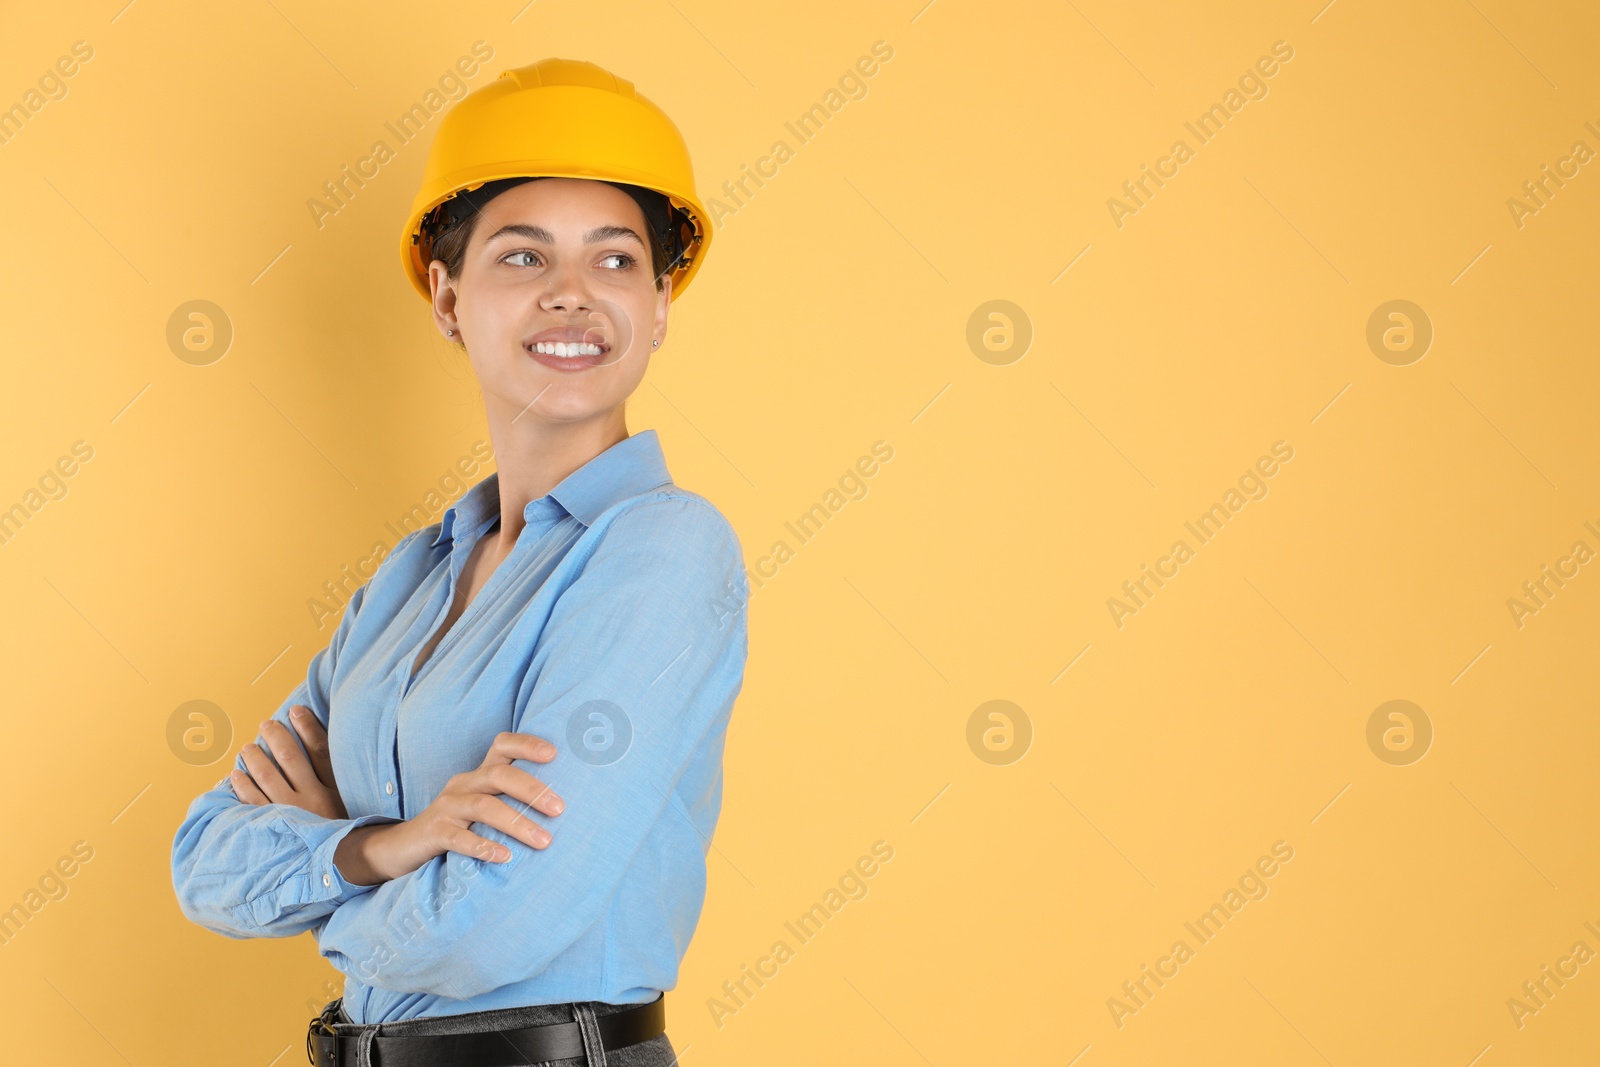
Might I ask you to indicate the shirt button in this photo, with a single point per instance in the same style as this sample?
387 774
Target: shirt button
388 787
327 881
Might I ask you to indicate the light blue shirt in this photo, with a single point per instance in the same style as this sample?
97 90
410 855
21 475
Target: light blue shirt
615 629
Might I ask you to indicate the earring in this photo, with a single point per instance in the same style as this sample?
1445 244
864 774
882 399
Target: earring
449 333
654 344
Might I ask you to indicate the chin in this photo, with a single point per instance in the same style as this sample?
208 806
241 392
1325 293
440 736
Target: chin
558 401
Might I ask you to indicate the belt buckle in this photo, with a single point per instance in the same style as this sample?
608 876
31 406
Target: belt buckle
322 1025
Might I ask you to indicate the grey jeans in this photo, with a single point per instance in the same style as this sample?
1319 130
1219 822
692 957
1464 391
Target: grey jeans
656 1052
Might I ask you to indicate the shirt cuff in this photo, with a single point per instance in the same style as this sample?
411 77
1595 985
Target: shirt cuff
326 882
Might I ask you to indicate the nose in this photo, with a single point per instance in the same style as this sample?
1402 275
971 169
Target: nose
566 289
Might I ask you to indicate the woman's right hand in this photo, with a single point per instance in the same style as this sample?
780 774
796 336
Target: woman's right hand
380 852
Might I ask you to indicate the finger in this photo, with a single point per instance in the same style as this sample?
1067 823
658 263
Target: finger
468 843
508 746
492 811
515 782
266 775
245 789
315 738
296 768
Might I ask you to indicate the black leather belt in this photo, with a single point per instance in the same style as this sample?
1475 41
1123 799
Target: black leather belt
494 1048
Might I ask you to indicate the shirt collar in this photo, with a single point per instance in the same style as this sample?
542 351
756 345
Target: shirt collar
629 468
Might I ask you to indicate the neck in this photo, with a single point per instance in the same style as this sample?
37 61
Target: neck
533 455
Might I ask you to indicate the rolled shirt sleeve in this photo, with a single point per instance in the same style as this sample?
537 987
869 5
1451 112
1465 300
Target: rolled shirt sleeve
246 870
637 665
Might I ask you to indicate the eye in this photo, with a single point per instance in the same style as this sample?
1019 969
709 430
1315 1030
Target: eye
521 252
622 256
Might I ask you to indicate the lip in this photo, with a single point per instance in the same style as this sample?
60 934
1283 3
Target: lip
569 335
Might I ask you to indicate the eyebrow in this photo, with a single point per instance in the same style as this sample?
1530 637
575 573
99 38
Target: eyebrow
539 233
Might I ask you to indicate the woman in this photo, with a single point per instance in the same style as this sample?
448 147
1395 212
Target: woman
574 614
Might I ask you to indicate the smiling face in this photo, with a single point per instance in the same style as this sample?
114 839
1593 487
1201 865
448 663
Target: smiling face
555 261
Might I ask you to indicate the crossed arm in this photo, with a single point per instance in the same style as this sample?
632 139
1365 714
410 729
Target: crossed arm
379 852
452 902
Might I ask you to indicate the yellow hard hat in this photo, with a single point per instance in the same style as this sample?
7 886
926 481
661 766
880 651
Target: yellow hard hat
559 118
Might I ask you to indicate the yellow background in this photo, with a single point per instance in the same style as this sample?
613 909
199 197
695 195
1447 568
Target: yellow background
1166 755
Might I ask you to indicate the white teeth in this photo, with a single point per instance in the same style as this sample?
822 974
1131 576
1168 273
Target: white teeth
559 348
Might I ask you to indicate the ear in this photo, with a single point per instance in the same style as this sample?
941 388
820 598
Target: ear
663 305
444 298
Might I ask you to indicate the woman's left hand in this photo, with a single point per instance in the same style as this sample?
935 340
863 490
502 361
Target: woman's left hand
301 783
